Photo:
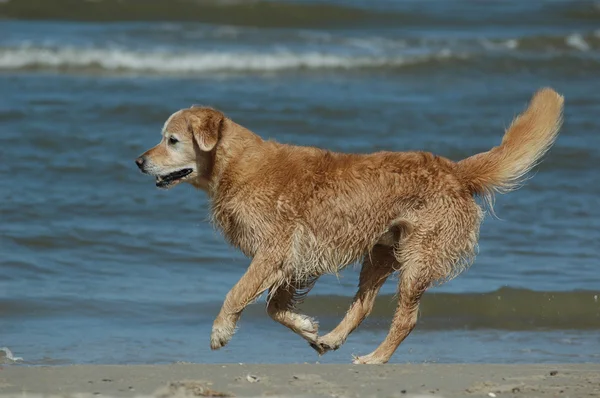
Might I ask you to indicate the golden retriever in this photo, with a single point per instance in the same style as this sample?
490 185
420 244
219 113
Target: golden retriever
301 212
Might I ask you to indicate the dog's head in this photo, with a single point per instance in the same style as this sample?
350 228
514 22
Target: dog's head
186 149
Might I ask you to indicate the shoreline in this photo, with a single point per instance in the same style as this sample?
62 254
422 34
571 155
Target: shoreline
314 380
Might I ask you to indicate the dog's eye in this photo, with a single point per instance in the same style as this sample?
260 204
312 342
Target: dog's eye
173 140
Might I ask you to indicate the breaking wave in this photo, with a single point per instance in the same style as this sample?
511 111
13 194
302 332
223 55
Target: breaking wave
164 62
311 52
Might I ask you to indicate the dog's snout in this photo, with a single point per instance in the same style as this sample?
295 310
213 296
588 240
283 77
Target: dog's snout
141 161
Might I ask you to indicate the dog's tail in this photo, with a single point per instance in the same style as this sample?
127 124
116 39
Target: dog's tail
530 135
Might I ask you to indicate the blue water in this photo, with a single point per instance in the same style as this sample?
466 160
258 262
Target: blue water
98 266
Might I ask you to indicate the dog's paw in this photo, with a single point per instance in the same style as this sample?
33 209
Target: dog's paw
330 342
322 347
326 343
315 346
220 336
367 360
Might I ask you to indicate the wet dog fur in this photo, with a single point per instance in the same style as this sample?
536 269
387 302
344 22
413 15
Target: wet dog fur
301 212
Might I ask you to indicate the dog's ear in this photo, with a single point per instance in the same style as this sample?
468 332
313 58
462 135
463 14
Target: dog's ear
206 126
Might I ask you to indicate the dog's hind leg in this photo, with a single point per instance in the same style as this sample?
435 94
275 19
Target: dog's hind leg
436 253
377 267
411 288
281 306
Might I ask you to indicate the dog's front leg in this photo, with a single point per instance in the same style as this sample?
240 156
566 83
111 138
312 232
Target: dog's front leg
262 274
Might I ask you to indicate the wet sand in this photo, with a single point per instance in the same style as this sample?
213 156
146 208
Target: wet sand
314 380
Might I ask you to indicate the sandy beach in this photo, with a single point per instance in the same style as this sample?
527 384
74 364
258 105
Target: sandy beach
314 380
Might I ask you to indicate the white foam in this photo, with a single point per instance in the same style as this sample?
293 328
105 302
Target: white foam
510 44
6 356
577 41
29 57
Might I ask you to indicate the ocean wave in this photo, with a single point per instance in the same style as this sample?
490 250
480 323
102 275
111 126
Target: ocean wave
575 41
6 356
164 62
503 309
308 51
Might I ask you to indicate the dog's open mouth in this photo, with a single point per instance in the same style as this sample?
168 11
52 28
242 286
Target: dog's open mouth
166 180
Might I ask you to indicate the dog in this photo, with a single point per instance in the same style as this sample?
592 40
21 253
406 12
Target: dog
301 212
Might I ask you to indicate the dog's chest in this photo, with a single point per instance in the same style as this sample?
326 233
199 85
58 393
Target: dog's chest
244 221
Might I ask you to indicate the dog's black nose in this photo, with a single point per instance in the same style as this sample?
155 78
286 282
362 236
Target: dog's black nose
140 162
